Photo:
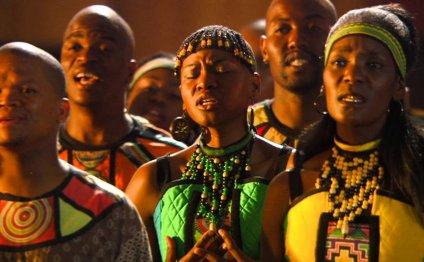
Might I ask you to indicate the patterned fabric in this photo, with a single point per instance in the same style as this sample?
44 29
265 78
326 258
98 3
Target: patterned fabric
354 247
268 126
117 162
390 233
176 211
83 219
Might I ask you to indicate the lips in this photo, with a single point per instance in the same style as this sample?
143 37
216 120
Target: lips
206 102
352 98
297 59
9 119
87 78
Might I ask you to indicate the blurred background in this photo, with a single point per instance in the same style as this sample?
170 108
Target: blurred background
161 25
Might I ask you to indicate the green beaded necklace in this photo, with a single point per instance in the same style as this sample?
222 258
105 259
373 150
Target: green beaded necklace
219 170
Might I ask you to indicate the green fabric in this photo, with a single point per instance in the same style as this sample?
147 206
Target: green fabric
170 216
171 211
252 199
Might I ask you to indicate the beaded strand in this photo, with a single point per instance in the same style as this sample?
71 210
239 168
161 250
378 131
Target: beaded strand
352 175
219 170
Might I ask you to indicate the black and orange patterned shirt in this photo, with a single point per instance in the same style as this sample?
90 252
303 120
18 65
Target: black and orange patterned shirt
116 163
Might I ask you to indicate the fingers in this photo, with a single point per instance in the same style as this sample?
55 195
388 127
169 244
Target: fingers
231 246
171 253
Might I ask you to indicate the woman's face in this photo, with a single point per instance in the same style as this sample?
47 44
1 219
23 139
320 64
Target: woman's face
360 80
216 88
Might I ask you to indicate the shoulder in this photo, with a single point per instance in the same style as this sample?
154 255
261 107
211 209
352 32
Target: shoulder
148 131
269 148
85 182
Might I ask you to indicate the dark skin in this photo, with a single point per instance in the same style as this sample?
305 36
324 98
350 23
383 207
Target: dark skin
295 36
97 59
156 97
212 82
360 80
31 109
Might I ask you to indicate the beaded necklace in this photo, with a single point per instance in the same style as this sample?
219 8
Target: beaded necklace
219 170
352 173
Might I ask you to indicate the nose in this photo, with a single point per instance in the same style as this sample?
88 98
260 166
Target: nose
206 80
87 54
9 98
296 38
353 74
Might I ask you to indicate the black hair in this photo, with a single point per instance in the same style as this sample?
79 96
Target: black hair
402 146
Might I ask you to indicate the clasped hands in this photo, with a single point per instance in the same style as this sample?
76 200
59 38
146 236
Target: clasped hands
210 247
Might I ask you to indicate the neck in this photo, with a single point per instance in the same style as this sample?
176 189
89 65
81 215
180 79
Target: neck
30 174
95 127
293 110
224 136
360 134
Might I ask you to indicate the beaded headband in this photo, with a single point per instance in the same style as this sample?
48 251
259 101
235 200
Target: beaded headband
376 32
216 37
160 62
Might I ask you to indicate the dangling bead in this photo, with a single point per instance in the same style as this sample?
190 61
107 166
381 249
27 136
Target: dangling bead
351 174
219 171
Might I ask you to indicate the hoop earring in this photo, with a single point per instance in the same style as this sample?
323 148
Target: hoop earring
251 119
396 106
316 102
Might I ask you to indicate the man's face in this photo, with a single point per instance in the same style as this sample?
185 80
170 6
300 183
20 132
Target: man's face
30 107
95 57
295 37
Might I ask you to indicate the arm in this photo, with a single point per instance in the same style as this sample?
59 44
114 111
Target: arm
143 191
276 204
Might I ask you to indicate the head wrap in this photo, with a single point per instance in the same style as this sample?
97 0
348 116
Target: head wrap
379 24
217 37
159 62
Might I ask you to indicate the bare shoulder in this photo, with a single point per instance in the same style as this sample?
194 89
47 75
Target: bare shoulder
267 158
269 148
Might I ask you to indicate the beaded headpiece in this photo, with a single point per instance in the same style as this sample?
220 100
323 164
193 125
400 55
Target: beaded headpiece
216 37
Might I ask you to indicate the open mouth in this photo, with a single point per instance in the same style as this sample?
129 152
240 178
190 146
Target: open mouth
206 101
86 78
352 99
296 59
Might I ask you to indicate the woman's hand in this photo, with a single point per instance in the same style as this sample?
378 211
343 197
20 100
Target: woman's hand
211 247
210 241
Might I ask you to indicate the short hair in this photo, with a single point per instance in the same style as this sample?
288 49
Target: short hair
55 74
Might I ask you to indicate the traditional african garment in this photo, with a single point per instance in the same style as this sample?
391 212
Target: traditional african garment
268 126
117 162
175 213
390 233
82 219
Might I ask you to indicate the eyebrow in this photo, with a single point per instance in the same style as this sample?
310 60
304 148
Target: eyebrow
81 34
308 17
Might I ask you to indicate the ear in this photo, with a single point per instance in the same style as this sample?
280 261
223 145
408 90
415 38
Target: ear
63 110
400 91
132 67
264 51
255 87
